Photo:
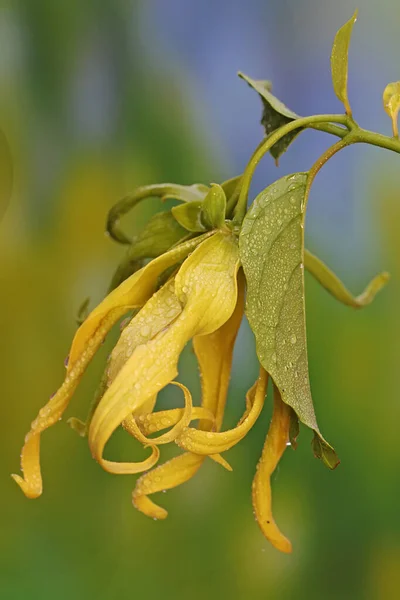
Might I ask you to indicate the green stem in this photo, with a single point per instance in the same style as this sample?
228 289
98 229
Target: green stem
317 166
352 134
357 135
241 206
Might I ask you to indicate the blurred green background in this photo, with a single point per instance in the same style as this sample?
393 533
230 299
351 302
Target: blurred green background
96 98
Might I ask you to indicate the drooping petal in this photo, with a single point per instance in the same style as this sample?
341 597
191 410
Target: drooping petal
214 354
207 289
210 442
166 476
133 292
158 312
275 445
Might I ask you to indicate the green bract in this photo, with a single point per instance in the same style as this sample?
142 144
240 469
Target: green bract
189 216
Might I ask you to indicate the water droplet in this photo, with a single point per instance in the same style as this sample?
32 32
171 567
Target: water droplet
273 357
293 339
145 330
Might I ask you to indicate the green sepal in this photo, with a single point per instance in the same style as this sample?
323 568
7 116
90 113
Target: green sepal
189 216
275 114
230 186
340 61
271 245
214 207
159 235
183 193
78 425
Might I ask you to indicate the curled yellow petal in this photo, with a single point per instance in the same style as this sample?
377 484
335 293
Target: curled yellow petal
275 445
171 474
210 442
178 427
152 422
207 290
133 292
131 468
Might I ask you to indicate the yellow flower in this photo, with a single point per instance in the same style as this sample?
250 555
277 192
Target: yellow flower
203 301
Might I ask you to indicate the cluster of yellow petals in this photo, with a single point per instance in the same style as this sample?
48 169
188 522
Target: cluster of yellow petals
204 302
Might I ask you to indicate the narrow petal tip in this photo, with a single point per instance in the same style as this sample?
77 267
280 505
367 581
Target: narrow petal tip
148 507
31 489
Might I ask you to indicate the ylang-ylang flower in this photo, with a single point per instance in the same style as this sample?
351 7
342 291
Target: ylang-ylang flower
202 301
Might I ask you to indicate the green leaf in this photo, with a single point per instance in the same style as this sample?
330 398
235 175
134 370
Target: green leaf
334 286
214 207
6 174
275 114
391 103
340 61
272 254
184 193
159 235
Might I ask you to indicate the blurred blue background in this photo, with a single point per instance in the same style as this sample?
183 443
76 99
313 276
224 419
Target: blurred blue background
98 97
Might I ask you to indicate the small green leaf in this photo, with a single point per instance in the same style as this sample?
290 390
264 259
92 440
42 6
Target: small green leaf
275 114
391 103
272 254
214 207
6 174
189 216
184 193
159 235
340 61
334 286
